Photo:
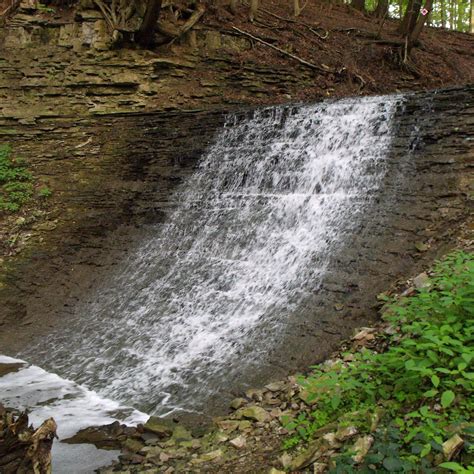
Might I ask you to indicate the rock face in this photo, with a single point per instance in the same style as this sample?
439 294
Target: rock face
115 173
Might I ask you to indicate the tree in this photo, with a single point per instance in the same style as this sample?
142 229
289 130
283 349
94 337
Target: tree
145 34
382 8
358 5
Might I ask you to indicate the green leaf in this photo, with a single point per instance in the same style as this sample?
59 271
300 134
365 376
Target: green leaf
426 450
392 464
430 393
447 398
335 402
454 466
435 380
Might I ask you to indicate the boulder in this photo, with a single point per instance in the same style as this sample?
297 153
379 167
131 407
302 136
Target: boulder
253 412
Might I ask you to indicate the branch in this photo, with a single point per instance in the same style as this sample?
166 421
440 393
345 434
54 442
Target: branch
282 51
315 32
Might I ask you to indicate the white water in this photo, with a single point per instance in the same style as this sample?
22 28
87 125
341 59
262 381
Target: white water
251 237
73 407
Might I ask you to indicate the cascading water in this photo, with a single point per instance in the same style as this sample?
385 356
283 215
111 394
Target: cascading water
250 238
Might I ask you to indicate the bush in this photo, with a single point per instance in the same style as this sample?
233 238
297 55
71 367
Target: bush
422 384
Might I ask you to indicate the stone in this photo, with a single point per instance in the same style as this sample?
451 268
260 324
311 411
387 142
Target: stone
159 426
103 437
254 394
313 452
273 470
180 433
421 281
238 403
345 433
361 448
253 412
276 386
332 440
285 460
238 442
452 446
228 425
133 445
220 437
210 456
319 468
422 247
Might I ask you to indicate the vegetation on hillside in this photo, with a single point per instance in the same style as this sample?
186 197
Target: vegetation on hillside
153 22
411 394
16 182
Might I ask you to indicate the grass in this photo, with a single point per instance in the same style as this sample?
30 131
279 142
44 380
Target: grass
420 387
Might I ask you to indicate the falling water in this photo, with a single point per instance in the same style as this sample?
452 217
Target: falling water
250 238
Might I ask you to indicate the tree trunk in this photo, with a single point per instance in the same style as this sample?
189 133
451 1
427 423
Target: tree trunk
253 10
443 13
411 15
404 18
144 36
358 5
296 7
472 17
382 8
415 33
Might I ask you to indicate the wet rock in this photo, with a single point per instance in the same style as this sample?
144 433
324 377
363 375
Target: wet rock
452 446
276 386
361 448
159 426
103 437
180 433
133 445
253 413
9 368
254 394
238 403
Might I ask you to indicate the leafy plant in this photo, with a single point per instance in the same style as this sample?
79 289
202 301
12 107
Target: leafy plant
423 382
45 192
15 182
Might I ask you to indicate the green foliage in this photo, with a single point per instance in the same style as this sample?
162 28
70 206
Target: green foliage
15 182
423 383
43 8
45 192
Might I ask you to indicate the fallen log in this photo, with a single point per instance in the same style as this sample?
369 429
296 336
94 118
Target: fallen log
22 448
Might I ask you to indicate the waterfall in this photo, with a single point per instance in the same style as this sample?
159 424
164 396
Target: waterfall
207 292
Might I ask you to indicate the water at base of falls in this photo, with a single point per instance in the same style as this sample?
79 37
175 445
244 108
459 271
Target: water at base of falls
208 291
73 407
